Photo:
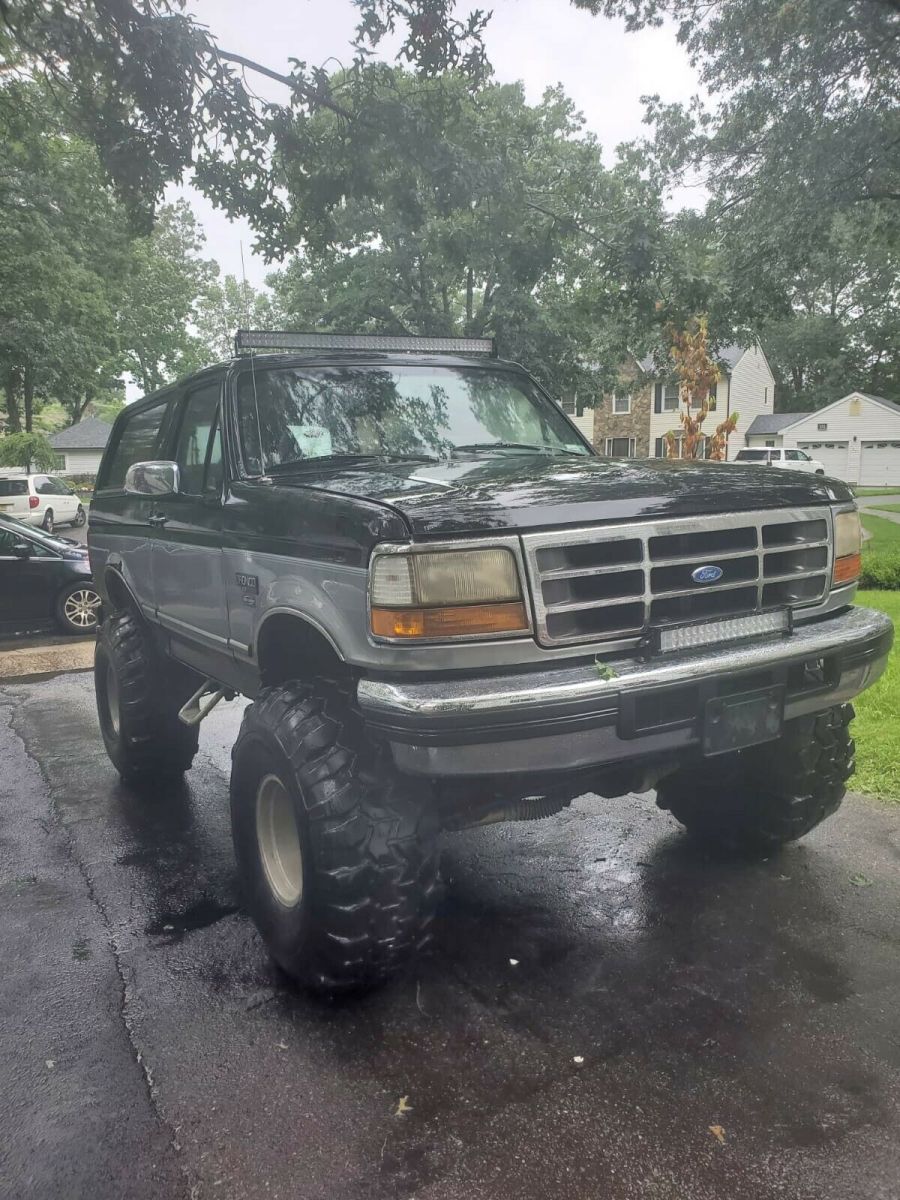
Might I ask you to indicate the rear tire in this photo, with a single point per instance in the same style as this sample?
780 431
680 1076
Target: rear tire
336 852
80 517
47 524
758 799
138 698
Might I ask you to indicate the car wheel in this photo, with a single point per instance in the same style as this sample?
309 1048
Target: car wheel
138 698
820 472
78 608
47 523
755 800
337 852
80 517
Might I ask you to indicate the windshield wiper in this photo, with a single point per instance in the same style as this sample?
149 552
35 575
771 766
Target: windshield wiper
332 459
541 449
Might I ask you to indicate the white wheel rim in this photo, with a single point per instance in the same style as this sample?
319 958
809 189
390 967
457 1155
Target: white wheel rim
112 698
81 608
279 841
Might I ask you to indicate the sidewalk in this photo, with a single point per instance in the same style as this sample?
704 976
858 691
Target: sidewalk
45 656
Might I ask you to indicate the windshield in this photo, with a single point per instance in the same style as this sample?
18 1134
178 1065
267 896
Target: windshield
401 411
37 535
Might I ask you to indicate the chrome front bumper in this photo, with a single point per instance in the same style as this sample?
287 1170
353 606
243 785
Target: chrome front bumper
570 717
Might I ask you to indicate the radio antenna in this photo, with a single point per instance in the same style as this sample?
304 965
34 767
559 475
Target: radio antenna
263 478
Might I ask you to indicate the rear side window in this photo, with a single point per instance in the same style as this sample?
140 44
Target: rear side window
137 441
752 455
13 487
44 486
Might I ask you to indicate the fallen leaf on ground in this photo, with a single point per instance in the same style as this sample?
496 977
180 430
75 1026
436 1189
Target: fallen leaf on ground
860 880
51 1063
718 1133
403 1106
578 1060
513 962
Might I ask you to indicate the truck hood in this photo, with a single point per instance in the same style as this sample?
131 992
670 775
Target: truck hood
519 492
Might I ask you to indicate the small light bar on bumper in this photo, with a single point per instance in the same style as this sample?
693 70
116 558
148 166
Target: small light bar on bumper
847 547
446 594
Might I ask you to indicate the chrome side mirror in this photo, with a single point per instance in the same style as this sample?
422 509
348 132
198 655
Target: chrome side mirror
152 479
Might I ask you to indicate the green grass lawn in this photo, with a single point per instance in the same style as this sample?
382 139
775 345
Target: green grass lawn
885 534
889 507
877 724
858 491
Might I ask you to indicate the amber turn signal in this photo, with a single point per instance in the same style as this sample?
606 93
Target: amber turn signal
465 620
847 568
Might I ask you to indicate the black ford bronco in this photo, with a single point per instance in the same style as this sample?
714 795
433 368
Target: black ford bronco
447 611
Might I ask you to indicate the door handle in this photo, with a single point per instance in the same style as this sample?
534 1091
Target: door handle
157 519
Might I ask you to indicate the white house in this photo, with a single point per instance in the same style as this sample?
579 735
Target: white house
81 446
633 422
856 438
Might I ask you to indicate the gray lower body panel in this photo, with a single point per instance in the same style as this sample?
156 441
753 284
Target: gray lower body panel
570 717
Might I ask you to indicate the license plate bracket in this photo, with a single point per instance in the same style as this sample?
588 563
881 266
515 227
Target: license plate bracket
746 719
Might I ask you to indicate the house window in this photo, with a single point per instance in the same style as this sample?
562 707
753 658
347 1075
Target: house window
621 405
662 450
822 427
711 399
670 398
770 443
620 447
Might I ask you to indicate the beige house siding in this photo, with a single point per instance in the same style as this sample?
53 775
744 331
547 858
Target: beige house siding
81 462
751 394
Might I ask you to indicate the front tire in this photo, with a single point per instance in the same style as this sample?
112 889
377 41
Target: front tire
78 609
758 799
337 854
138 699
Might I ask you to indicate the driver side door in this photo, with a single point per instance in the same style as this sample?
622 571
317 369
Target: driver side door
187 553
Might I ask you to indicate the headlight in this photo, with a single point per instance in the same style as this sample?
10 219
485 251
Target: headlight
447 594
847 544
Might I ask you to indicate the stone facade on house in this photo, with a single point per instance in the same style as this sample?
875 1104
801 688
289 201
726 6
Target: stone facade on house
610 426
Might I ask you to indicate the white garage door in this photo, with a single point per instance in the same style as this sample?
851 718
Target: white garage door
832 456
879 464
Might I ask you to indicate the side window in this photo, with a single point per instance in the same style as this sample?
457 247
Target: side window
44 486
137 441
794 456
7 541
199 443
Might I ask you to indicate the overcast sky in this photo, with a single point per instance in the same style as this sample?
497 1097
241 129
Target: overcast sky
604 69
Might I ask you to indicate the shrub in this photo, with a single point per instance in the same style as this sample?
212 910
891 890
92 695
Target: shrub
881 569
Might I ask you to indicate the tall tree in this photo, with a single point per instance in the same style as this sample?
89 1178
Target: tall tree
229 305
63 251
466 214
162 288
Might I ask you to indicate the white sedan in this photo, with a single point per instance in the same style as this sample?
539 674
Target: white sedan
791 460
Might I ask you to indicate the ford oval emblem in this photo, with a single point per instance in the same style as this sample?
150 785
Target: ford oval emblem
707 574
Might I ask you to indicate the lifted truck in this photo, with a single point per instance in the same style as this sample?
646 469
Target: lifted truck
448 610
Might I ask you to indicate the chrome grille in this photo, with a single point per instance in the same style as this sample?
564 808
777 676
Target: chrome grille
614 582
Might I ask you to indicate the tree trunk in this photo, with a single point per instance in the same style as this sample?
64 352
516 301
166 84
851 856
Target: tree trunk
28 396
12 401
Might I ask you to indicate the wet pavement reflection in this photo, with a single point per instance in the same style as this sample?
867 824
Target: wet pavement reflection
606 1013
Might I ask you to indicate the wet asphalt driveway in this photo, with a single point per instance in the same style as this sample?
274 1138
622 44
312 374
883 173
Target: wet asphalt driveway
670 1028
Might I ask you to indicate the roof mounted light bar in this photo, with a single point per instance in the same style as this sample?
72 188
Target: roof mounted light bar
248 340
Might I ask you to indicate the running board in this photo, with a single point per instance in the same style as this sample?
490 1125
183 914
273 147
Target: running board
193 712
